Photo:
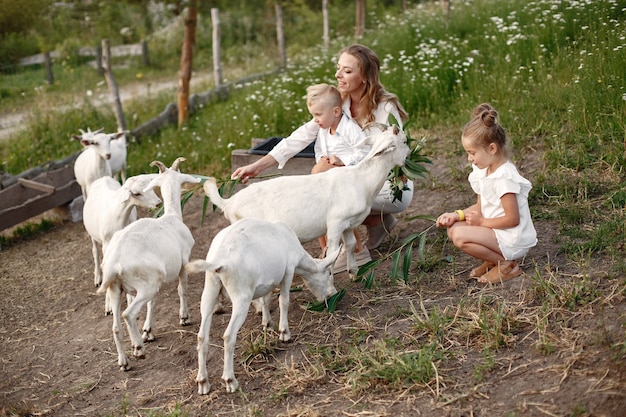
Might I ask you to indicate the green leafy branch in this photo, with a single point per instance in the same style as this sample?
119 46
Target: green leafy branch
401 257
414 166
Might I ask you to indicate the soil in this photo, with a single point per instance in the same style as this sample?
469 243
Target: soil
59 359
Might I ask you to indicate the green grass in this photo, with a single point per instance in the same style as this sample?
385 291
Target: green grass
556 74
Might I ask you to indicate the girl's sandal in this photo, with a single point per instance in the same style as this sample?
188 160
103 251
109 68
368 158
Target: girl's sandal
501 273
481 270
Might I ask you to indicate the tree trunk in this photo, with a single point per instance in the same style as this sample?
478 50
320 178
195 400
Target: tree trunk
186 60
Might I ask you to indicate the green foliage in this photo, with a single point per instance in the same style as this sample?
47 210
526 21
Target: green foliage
554 71
27 231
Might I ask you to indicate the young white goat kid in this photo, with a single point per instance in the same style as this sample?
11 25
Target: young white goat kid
93 162
249 259
111 207
332 202
146 254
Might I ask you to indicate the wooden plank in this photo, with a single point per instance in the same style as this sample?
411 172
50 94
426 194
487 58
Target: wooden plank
46 188
27 202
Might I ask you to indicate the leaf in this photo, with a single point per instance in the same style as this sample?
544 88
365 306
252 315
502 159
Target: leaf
406 264
330 304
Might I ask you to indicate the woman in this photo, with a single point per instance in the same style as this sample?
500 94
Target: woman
365 100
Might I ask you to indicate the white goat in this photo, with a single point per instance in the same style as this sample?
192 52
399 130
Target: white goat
146 254
117 162
118 157
93 162
249 259
332 202
111 207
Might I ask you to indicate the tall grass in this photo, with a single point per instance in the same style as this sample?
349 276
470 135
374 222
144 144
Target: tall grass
554 70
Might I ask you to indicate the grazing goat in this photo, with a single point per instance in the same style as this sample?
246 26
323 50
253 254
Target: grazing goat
249 259
93 162
332 202
145 255
111 207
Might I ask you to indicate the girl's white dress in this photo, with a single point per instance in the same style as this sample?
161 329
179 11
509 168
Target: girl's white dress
514 242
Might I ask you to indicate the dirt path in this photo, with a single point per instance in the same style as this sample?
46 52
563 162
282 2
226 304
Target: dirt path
59 359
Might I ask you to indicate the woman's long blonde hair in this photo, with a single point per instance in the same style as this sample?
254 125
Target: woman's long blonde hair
374 92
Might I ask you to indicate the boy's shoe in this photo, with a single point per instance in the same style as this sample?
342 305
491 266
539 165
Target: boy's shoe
361 258
377 234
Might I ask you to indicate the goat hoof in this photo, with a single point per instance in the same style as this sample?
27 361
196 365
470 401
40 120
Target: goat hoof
203 388
138 352
147 336
124 367
231 385
184 321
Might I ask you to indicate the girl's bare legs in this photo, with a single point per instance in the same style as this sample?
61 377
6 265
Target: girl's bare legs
479 242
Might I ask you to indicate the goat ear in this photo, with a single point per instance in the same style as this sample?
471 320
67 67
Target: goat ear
85 142
117 135
125 194
331 257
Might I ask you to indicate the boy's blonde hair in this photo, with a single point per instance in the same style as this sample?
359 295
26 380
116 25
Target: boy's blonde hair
324 93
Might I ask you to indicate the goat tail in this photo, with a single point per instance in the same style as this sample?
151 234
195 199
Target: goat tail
201 265
108 275
211 191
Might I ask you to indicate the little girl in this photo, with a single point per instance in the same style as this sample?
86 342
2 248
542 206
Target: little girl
497 229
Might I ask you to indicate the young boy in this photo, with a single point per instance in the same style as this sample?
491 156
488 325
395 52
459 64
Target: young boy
340 142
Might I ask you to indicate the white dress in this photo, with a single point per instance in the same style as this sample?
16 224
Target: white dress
514 242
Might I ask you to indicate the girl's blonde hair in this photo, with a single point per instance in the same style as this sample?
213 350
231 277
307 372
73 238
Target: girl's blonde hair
369 65
484 128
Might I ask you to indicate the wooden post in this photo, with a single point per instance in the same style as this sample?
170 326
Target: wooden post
446 10
360 19
99 60
280 34
145 61
405 5
217 48
325 35
186 60
48 62
115 95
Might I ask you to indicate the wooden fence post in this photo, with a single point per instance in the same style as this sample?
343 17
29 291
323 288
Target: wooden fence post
325 35
360 19
145 61
186 60
108 73
446 10
280 34
217 48
48 62
99 66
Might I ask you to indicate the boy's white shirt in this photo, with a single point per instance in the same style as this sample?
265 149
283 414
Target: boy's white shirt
307 133
348 142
